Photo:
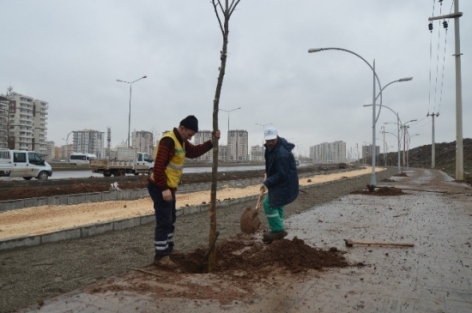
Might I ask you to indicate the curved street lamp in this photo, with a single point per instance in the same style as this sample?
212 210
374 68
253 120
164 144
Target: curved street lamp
229 111
130 92
404 126
398 125
373 180
67 145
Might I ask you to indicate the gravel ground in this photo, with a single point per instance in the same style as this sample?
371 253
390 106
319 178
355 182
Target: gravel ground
30 275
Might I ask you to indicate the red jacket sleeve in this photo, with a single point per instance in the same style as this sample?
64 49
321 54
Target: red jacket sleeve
194 151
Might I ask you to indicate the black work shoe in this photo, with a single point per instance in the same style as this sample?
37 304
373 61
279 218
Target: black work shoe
166 262
270 236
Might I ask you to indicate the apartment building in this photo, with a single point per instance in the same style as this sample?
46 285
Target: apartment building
4 122
143 141
238 146
89 141
199 138
257 153
50 151
328 153
24 121
367 151
222 153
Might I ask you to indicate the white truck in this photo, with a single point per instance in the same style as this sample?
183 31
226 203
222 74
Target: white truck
142 163
26 164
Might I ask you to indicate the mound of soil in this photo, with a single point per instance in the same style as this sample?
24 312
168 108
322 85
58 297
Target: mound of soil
382 191
243 254
242 264
93 184
401 175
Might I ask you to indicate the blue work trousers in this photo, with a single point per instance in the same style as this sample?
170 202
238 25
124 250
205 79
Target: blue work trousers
165 220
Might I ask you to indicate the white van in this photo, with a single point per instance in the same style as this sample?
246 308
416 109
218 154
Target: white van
81 158
26 164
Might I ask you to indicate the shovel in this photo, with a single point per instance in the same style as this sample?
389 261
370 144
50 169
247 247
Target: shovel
250 221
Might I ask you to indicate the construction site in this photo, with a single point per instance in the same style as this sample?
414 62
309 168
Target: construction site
403 247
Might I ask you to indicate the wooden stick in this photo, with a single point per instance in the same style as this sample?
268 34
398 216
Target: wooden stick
384 244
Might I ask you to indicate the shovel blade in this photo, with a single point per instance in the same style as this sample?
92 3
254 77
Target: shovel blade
250 221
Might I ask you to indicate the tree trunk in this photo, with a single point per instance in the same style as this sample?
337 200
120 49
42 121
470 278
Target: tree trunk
227 11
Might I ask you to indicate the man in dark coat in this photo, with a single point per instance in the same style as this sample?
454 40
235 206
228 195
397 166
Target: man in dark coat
281 182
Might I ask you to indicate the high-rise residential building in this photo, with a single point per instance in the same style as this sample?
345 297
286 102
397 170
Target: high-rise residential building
257 153
222 153
26 123
199 138
143 141
328 152
4 116
40 122
367 151
51 153
66 151
238 145
89 141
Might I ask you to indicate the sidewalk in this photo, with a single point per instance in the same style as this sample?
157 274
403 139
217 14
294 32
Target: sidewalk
433 276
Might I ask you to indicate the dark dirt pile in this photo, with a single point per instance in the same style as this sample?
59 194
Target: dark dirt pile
101 184
381 191
242 264
243 254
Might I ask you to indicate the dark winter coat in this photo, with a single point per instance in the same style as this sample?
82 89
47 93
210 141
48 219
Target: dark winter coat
282 176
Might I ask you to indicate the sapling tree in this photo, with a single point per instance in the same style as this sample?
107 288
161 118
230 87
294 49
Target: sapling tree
223 11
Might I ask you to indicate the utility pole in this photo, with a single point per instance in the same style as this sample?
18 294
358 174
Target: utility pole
433 145
457 55
384 146
405 131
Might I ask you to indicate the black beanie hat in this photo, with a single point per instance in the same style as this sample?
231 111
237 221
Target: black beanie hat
190 122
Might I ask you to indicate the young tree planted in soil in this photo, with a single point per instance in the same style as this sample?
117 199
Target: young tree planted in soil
223 14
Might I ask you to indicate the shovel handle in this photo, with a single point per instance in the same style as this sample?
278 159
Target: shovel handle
259 201
384 244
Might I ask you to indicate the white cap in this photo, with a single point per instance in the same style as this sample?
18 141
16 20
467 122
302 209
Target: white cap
270 133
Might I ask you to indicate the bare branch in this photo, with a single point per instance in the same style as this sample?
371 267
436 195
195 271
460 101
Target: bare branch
233 6
218 16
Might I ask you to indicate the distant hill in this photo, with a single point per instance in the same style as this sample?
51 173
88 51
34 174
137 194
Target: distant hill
445 158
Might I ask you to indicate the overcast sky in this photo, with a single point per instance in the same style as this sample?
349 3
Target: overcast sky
70 54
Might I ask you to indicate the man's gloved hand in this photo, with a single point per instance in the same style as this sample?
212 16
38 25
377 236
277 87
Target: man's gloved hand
263 188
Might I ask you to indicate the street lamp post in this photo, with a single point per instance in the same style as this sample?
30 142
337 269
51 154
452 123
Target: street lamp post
408 151
373 180
129 114
404 126
67 145
227 143
457 55
229 111
398 127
